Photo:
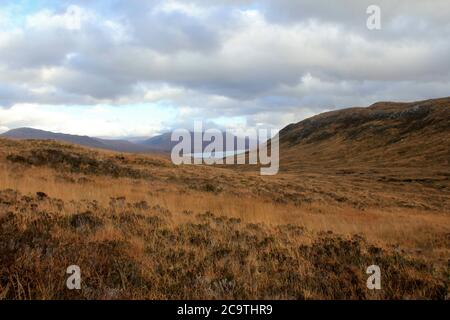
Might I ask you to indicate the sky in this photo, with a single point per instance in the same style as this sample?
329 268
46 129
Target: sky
137 68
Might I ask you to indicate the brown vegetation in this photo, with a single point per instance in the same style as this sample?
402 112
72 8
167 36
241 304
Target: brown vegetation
142 228
142 251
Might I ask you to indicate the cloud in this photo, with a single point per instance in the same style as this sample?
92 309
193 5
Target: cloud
99 121
269 62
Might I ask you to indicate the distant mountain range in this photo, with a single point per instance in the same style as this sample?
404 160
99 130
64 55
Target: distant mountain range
163 142
115 145
159 143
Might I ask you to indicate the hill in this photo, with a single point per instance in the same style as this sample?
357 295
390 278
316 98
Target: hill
160 142
114 145
384 135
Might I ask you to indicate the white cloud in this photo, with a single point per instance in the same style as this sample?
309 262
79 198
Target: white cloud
170 6
97 120
272 62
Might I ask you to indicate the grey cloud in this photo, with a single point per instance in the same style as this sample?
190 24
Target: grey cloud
227 63
10 94
172 32
35 49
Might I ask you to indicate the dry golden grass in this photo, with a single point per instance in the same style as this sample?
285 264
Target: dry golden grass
140 227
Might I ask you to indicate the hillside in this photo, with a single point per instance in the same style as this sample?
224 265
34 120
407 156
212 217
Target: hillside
141 228
386 134
160 142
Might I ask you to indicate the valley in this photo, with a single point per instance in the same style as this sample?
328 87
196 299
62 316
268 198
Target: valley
353 190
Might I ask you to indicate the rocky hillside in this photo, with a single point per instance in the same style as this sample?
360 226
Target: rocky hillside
386 134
